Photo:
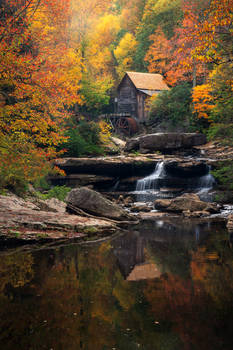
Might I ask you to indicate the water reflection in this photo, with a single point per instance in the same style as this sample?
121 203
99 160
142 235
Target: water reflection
165 286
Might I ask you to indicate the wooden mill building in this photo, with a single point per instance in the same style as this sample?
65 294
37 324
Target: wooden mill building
134 90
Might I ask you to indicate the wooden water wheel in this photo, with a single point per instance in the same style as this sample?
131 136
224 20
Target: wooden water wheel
124 125
121 123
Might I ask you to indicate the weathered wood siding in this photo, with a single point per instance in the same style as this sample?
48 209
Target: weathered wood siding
127 98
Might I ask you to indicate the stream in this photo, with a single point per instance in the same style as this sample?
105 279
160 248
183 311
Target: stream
164 286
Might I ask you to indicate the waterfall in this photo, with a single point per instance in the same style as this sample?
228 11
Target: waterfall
162 185
207 181
205 184
148 187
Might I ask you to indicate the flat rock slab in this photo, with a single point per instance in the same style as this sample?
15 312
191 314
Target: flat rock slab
30 223
118 166
164 141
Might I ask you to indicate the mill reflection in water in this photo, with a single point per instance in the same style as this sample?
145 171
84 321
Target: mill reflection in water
165 286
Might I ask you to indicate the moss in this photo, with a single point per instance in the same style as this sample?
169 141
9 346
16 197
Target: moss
91 230
15 234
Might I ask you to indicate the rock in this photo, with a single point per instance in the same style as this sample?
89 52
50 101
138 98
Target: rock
230 223
77 180
186 168
17 213
116 166
56 204
187 202
132 144
162 204
165 141
118 142
120 199
195 214
140 207
128 200
13 202
94 203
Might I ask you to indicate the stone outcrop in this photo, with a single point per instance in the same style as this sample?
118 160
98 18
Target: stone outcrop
22 220
189 202
94 203
118 166
164 142
185 168
77 180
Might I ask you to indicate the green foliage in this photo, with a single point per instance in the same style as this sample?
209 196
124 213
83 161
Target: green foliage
59 192
96 94
221 81
83 139
221 132
224 175
41 183
165 14
20 163
172 108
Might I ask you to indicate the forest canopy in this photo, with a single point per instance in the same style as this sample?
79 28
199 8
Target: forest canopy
61 62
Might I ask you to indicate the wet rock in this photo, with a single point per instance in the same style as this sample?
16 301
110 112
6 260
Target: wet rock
162 204
165 141
195 214
187 202
140 207
128 200
186 168
94 203
120 199
230 223
77 180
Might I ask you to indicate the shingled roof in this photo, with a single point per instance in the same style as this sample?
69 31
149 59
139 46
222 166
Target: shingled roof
148 81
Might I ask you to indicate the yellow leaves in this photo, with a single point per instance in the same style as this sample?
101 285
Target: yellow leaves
202 101
124 53
104 33
105 131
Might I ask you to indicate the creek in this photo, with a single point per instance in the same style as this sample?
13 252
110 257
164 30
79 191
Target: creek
163 286
161 184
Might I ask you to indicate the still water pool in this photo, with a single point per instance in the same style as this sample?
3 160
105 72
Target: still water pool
164 286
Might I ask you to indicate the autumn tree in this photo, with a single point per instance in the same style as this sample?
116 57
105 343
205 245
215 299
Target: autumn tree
124 54
39 78
163 13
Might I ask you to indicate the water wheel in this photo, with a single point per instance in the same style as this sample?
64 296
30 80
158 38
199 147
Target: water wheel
125 125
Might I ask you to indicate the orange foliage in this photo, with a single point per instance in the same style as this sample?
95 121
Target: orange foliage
202 101
39 75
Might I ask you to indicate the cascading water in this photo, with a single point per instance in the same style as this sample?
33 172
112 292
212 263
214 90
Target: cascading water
206 183
147 188
162 185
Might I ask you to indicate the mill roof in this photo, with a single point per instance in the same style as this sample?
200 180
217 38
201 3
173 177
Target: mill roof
148 81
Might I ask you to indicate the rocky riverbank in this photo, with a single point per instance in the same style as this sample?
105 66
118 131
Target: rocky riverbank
89 214
33 220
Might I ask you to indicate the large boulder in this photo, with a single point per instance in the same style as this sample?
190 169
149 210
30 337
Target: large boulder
165 141
187 202
94 203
